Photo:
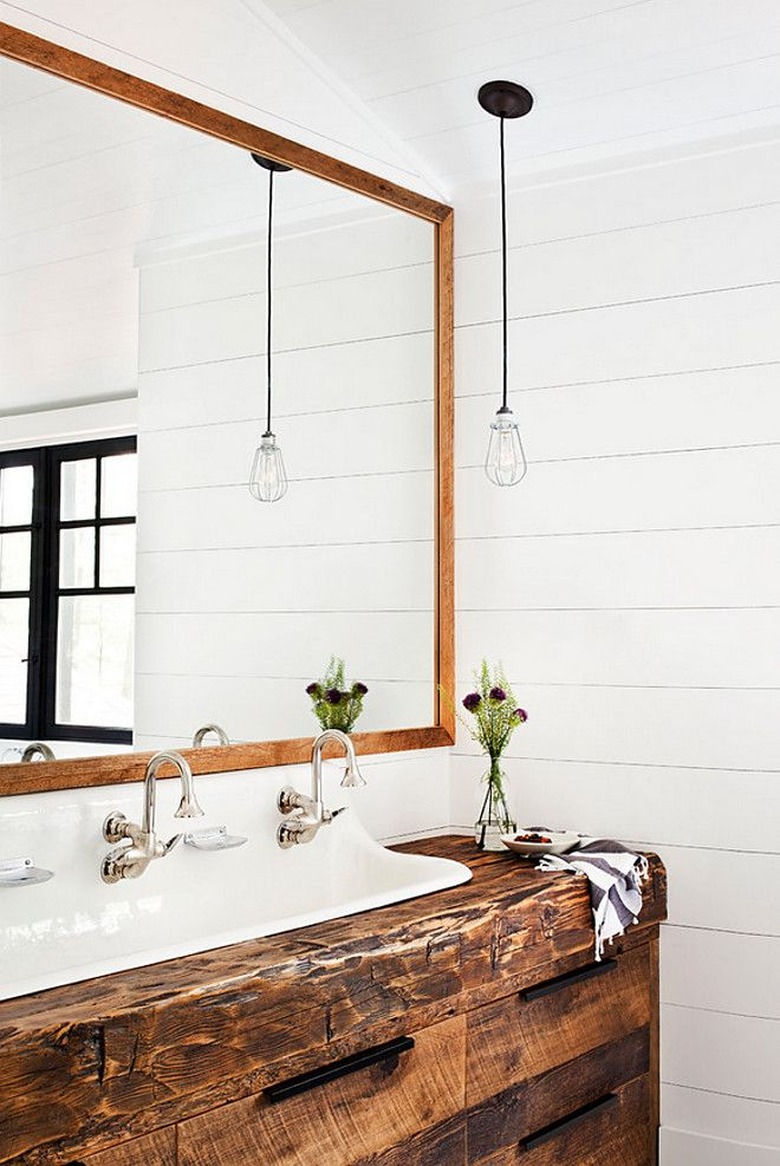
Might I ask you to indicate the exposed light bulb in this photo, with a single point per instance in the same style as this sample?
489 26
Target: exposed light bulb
505 464
268 479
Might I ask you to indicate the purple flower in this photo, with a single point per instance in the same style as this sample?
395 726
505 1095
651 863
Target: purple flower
472 701
359 689
497 694
313 689
521 715
333 696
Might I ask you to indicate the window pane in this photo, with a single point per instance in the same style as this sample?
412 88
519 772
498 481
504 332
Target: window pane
77 557
117 556
16 495
119 486
95 660
15 562
77 489
14 633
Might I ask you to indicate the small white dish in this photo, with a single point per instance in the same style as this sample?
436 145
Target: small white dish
560 842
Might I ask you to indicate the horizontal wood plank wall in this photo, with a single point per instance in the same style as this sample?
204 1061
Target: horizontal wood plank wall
241 604
631 583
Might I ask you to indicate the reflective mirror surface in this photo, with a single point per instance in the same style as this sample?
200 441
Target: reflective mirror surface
134 252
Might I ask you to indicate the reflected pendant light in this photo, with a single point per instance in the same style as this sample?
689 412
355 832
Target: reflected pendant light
505 464
268 479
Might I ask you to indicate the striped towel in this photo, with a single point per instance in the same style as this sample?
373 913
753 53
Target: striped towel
616 875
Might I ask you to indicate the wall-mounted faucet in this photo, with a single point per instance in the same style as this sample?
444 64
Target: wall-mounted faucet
38 749
128 862
304 815
204 730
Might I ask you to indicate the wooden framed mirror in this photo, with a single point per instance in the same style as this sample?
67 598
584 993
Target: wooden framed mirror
183 266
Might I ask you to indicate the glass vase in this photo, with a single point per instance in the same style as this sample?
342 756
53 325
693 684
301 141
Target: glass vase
494 818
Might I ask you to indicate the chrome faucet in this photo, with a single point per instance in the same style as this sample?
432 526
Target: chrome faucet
304 815
204 730
38 749
128 862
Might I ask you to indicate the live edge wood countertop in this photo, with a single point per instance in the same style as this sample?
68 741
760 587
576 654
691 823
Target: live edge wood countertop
91 1063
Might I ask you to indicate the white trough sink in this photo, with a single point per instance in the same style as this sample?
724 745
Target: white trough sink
74 926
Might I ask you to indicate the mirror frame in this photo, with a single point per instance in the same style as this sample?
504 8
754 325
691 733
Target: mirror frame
72 773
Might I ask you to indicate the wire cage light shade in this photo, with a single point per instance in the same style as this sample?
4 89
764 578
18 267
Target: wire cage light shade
505 463
268 477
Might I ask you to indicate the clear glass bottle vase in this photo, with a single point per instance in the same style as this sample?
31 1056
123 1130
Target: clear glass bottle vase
495 817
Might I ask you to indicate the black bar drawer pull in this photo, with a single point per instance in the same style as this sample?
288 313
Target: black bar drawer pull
561 982
569 1122
321 1076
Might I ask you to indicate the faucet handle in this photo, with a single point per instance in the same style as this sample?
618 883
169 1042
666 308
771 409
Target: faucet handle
288 800
172 843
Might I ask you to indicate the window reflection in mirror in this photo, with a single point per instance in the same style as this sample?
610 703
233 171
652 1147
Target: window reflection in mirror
67 592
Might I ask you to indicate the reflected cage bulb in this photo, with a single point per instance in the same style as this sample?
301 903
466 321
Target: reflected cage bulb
505 464
268 479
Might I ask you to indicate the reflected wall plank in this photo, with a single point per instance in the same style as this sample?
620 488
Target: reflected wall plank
220 595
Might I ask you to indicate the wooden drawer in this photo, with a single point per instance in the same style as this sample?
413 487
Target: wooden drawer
521 1110
615 1131
399 1101
521 1037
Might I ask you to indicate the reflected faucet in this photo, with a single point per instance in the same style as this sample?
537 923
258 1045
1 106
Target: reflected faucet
204 730
38 749
128 862
304 815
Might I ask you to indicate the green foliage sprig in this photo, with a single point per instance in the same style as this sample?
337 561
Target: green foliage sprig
336 705
494 711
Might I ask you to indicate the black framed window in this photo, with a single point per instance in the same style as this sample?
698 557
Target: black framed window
67 591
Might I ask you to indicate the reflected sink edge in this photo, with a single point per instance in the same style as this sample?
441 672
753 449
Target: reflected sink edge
445 874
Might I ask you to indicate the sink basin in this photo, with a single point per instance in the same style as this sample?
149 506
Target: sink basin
74 927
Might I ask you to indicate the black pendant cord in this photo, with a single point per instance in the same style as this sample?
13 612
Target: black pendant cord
268 432
504 303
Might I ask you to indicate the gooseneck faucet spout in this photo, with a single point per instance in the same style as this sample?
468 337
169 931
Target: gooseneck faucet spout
128 862
204 730
352 775
305 815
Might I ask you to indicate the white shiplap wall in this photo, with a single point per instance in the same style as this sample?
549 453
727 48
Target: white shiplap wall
241 604
632 583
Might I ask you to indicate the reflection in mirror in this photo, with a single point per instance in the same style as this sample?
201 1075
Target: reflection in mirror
135 253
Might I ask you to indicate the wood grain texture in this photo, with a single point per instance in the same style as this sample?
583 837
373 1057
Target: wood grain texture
42 54
444 662
514 1039
89 1063
344 1122
612 1137
444 1145
118 769
514 1113
655 1051
159 1149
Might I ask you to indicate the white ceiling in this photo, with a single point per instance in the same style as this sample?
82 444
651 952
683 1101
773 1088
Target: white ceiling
610 77
387 84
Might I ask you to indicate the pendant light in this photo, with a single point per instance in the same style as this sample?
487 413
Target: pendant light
505 464
268 479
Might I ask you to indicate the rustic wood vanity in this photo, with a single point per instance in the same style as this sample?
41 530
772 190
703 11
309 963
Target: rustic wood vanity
468 1026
